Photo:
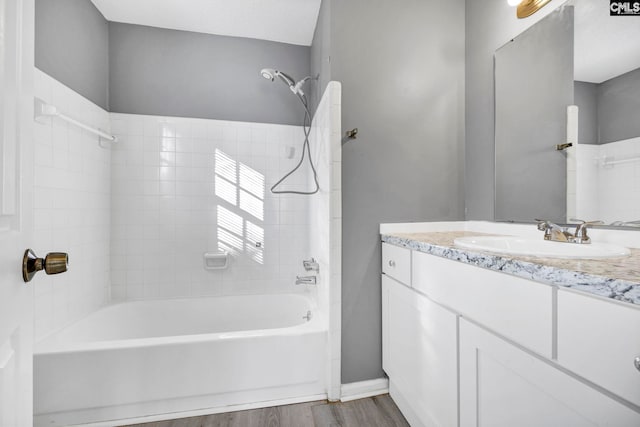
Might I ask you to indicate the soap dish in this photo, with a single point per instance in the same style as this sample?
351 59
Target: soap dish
216 260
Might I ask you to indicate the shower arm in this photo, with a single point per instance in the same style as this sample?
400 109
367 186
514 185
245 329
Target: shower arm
297 88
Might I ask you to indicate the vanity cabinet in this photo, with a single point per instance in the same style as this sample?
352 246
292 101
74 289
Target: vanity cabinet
467 346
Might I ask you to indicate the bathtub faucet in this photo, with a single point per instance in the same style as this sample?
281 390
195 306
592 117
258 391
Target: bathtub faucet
306 280
311 265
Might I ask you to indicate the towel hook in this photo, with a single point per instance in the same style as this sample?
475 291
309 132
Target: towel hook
352 134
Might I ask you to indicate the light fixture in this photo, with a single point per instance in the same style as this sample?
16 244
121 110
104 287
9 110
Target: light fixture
513 2
529 7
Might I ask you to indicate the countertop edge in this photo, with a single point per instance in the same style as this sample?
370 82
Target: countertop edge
617 289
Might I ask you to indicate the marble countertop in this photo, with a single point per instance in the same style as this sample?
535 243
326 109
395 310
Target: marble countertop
617 278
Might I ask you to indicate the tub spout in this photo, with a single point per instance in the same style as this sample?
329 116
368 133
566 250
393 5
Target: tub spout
306 280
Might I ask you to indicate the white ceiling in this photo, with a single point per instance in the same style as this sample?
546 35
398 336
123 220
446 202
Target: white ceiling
605 46
286 21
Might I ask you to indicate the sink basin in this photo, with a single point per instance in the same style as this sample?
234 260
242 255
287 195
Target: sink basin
541 248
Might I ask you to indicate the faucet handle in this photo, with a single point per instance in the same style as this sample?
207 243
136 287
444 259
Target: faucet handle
544 225
311 265
583 222
581 229
553 231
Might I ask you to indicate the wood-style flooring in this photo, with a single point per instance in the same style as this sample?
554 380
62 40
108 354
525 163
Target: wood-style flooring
378 411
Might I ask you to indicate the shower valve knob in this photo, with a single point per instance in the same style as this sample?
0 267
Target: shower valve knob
53 263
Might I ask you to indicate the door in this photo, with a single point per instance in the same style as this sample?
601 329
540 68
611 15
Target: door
420 354
501 385
16 193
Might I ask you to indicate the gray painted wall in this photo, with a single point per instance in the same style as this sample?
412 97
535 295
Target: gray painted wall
609 111
178 73
586 98
619 107
321 54
489 25
533 87
142 70
401 65
72 46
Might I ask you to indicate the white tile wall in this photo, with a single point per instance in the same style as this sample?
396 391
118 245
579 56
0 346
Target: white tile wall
326 222
620 183
72 208
604 191
182 187
586 182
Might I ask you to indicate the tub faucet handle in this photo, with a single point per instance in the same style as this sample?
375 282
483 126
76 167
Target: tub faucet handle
311 265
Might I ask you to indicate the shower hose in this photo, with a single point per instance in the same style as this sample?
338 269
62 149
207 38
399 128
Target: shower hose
306 150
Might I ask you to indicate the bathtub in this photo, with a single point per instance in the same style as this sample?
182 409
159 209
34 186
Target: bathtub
177 357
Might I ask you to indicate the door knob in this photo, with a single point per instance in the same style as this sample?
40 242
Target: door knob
53 263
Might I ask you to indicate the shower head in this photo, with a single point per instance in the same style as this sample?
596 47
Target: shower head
268 73
271 74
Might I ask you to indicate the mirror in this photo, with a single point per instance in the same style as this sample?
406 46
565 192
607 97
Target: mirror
533 86
599 178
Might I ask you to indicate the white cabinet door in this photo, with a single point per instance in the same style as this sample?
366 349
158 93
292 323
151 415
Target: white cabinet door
420 354
598 340
504 386
16 191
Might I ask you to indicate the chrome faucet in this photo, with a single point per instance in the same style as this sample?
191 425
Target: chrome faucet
556 233
311 265
306 280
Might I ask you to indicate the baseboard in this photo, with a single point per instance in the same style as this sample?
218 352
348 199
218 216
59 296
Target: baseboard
200 412
362 389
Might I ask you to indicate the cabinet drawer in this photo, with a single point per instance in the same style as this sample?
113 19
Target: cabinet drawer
598 340
396 263
519 309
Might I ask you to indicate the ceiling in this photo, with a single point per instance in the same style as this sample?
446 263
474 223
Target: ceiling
286 21
605 46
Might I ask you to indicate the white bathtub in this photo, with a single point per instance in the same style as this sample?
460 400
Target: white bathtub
149 358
